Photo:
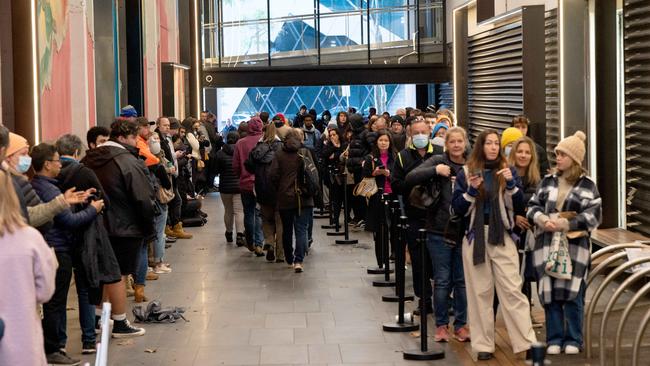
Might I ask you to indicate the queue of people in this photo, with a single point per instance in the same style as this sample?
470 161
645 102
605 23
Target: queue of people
492 212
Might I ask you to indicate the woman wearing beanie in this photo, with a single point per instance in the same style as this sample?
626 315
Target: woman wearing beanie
485 194
569 191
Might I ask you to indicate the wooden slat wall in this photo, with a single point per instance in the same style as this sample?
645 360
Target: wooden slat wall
637 113
495 78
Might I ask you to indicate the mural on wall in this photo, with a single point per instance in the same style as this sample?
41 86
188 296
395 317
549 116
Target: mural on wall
66 67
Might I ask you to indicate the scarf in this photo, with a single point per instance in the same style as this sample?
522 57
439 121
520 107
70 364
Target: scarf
495 224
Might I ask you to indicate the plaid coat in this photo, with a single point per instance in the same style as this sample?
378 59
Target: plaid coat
585 200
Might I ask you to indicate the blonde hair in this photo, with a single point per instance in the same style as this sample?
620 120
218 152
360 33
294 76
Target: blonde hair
458 130
269 133
11 217
532 170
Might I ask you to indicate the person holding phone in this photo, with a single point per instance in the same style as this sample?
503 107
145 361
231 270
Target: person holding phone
485 193
379 164
441 171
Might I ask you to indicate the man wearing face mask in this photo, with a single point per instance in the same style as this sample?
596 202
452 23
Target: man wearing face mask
17 161
419 150
281 128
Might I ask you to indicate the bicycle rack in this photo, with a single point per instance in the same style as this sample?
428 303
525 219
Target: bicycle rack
637 339
605 264
628 309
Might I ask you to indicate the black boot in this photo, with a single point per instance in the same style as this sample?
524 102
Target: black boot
229 237
241 240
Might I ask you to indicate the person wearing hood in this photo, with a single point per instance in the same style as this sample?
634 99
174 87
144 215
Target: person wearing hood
130 216
323 121
438 134
298 120
281 126
312 135
357 151
233 216
295 208
252 219
259 163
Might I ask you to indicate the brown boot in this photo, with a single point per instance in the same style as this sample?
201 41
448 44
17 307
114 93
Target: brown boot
129 286
169 232
151 276
180 233
139 294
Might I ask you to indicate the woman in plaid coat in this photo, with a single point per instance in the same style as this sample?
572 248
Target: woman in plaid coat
570 191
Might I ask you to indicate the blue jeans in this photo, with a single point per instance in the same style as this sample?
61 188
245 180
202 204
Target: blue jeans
86 313
159 223
252 219
564 321
448 275
298 222
143 265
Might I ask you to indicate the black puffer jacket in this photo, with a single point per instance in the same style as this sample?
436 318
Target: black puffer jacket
437 215
358 146
260 159
127 186
228 181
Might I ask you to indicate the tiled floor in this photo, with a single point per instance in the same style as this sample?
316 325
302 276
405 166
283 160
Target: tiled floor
245 311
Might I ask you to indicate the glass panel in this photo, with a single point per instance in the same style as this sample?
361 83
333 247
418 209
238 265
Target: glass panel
392 32
244 33
431 23
210 33
239 104
293 33
343 29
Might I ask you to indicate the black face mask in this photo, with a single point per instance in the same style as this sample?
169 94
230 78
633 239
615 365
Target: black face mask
279 124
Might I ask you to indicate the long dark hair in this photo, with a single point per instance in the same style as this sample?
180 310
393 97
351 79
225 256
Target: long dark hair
347 118
477 159
375 147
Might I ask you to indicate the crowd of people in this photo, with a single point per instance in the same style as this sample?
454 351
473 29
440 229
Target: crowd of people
493 213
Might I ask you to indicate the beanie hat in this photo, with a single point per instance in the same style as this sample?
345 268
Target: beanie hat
255 125
128 111
16 142
398 119
332 125
509 135
573 146
438 126
446 120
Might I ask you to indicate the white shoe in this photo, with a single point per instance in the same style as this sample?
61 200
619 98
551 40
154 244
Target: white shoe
553 349
571 350
162 268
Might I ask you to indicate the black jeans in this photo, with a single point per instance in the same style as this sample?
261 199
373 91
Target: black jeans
175 205
418 263
54 310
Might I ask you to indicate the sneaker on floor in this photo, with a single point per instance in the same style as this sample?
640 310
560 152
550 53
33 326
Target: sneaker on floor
442 334
98 325
259 252
229 237
270 255
241 240
462 334
162 268
59 358
124 329
267 247
553 349
88 348
151 276
297 268
571 350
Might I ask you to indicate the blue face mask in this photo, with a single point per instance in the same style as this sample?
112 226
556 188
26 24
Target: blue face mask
24 162
507 150
420 141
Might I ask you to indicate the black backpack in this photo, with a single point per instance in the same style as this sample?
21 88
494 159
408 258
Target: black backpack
307 180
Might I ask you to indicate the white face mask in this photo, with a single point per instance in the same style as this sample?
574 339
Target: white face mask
420 141
507 150
154 146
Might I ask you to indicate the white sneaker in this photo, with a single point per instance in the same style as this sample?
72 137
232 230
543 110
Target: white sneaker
161 268
571 350
553 349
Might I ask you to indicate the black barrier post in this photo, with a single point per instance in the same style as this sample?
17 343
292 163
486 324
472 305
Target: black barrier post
402 324
346 229
400 256
331 225
424 354
383 240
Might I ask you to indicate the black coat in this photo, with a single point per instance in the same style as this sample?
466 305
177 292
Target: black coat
97 257
283 174
260 159
126 184
375 211
330 157
228 181
358 149
21 197
437 215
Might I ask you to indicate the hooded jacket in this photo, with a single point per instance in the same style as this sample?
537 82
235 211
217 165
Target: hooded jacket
283 174
243 147
127 186
228 181
358 148
312 138
260 159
